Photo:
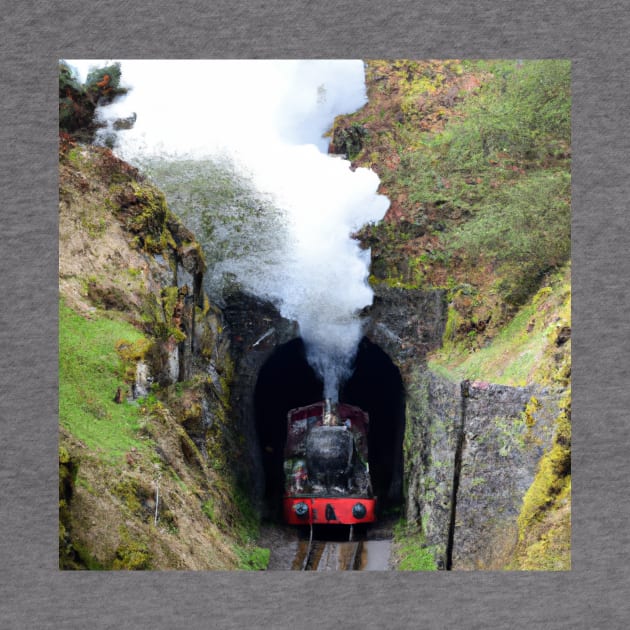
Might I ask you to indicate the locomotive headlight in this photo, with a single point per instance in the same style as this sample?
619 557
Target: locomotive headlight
358 510
301 509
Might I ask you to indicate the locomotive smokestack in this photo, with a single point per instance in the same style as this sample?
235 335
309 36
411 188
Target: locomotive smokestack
329 413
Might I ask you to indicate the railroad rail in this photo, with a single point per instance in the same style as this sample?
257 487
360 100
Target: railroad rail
328 555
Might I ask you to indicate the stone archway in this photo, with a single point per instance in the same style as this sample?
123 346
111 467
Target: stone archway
273 376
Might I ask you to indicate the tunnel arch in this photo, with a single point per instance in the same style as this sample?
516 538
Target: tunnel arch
286 381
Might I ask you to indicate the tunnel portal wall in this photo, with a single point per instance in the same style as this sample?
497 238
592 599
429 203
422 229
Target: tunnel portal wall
272 376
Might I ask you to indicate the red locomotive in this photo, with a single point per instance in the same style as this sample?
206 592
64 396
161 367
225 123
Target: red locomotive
327 476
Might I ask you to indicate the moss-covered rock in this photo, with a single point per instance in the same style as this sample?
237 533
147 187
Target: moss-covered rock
348 140
132 555
144 212
544 524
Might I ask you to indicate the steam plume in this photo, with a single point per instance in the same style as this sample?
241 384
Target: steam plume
268 118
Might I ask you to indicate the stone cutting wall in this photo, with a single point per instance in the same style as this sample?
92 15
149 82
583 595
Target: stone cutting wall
433 416
471 453
501 449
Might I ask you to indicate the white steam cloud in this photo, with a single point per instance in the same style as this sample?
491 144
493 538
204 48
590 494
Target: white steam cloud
269 117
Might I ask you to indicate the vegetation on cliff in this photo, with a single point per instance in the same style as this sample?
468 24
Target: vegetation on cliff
544 541
148 480
78 101
533 347
475 157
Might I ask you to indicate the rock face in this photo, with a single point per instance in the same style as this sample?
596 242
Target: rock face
432 432
470 449
406 323
496 467
471 454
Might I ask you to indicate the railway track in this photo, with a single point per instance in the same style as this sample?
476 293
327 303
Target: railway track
326 555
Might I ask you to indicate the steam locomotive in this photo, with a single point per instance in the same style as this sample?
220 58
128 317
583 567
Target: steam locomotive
327 476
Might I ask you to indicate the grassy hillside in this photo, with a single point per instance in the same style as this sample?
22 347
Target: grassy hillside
90 371
135 492
533 347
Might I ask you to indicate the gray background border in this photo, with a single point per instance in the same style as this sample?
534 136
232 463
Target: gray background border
33 593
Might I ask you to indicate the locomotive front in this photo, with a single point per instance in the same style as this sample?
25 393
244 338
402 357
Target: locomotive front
327 477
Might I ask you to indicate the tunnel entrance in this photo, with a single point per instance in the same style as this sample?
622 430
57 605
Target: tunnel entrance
376 386
286 381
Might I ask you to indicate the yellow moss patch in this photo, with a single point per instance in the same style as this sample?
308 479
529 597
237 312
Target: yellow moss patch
544 523
131 352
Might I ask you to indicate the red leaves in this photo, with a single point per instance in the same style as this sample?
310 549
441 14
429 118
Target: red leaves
66 142
104 82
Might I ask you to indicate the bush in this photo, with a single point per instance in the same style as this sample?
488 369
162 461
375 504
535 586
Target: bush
520 115
132 556
253 558
77 102
525 229
525 111
76 111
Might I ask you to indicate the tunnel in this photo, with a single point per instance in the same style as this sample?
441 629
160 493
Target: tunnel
286 381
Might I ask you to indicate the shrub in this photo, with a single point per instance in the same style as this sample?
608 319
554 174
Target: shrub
524 111
132 556
253 558
103 84
77 102
525 228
